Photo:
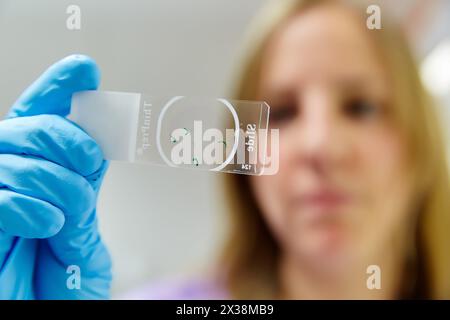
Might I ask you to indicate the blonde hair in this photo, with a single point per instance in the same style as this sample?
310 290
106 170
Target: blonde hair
250 253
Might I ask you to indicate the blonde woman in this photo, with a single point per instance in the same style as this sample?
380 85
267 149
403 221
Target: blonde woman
363 183
363 178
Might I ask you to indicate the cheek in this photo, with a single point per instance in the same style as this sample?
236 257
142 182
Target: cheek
383 161
269 190
266 190
383 165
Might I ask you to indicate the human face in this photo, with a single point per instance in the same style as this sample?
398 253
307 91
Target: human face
342 190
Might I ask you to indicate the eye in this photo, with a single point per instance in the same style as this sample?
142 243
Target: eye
360 108
280 115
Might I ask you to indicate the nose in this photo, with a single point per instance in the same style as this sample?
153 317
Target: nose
320 134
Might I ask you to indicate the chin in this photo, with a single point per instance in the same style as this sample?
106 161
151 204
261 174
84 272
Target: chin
328 249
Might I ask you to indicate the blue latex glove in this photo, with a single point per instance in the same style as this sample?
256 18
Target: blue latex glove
50 174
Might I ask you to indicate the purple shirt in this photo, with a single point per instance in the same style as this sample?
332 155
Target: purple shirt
191 289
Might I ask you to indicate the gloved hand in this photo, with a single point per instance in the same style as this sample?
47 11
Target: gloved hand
50 174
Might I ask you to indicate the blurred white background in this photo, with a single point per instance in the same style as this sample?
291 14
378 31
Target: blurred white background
157 221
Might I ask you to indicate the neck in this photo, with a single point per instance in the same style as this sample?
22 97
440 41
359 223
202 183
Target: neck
299 281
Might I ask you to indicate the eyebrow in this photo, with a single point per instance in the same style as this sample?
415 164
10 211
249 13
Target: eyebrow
352 82
357 83
278 95
345 83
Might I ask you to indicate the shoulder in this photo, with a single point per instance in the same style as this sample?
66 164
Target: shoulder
208 288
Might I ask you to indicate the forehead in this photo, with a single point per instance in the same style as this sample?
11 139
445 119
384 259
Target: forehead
323 43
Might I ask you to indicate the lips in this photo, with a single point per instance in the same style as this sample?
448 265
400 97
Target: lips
328 200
